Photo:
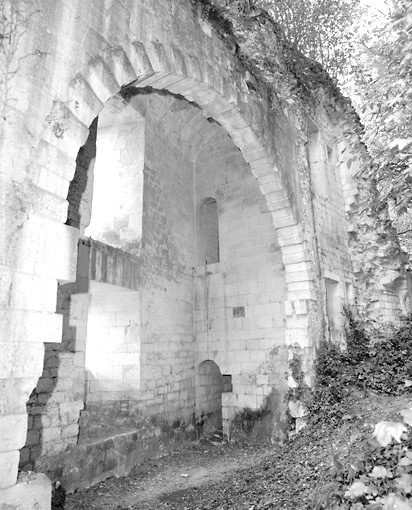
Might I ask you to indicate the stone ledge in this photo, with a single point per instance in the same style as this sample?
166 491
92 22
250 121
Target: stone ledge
105 264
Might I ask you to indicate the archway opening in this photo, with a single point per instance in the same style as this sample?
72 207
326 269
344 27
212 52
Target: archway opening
209 389
138 346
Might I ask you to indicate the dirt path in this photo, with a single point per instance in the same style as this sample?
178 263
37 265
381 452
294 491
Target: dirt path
152 485
210 475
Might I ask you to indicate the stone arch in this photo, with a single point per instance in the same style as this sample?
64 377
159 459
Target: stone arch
143 65
209 389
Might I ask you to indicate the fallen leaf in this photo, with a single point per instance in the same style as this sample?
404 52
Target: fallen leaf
380 472
404 482
386 430
394 502
356 490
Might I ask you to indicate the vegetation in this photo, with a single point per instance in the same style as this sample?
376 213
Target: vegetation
289 78
381 87
367 473
369 53
382 366
320 29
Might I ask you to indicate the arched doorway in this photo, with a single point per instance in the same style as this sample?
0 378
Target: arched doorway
209 389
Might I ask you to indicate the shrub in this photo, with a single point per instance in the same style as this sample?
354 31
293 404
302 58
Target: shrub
382 366
373 473
366 473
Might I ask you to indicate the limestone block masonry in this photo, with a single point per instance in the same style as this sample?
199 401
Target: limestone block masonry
170 237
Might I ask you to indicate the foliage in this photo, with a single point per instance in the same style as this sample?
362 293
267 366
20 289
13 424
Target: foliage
365 473
372 473
382 90
320 29
382 366
301 390
259 40
370 53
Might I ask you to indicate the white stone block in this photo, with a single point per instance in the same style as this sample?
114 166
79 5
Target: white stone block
300 286
14 394
52 248
21 359
302 247
31 492
53 183
293 239
298 267
49 156
9 464
25 326
13 430
296 276
27 292
289 231
285 221
295 258
301 307
302 294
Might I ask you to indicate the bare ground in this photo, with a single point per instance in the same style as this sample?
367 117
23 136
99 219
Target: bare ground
213 475
190 469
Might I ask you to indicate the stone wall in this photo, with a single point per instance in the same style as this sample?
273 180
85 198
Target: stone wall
239 301
55 404
69 61
335 276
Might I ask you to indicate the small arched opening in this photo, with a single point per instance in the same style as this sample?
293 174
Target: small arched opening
209 389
